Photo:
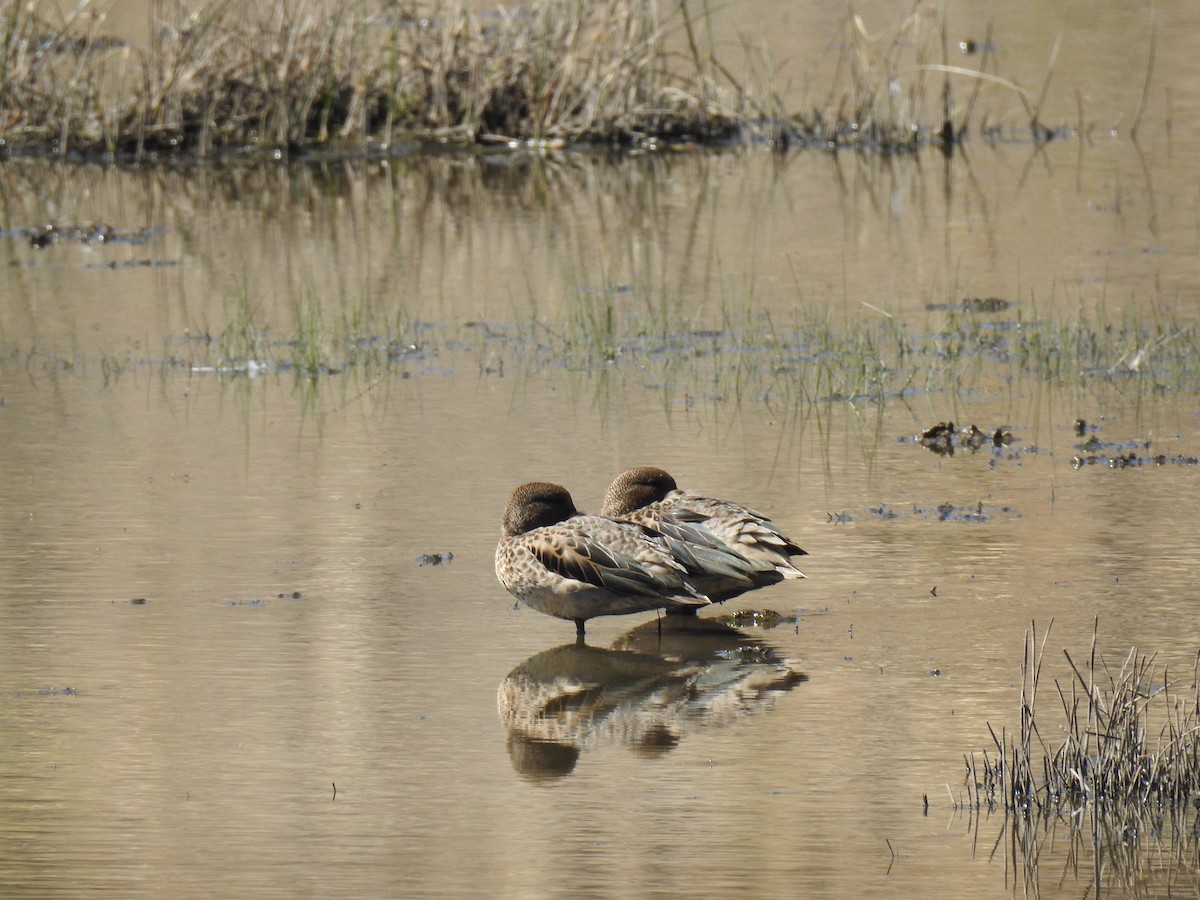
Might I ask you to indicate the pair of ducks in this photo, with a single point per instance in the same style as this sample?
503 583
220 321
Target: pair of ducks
653 546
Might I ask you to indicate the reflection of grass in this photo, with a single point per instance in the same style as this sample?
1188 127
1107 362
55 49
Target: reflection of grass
1110 856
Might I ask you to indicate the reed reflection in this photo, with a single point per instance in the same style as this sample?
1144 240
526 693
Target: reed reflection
657 684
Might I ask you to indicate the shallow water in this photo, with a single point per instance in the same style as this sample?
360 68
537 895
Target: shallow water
224 671
290 642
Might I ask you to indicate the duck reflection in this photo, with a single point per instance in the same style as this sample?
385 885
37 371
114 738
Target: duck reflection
650 690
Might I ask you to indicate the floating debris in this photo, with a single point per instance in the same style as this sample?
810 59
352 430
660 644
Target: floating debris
137 264
435 559
49 692
943 438
987 304
765 619
1093 444
938 438
251 368
946 512
972 304
64 43
1121 454
1132 460
96 233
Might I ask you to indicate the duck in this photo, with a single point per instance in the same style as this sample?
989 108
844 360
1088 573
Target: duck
714 567
650 496
566 564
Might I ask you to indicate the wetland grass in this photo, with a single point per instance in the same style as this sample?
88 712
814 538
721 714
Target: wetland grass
1123 778
641 336
1109 760
351 76
367 76
314 339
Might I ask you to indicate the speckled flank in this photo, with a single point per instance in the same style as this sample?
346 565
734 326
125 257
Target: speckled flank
650 496
577 567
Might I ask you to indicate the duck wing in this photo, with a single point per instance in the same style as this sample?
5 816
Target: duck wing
584 559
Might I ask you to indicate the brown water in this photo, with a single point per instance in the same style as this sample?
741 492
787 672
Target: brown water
223 671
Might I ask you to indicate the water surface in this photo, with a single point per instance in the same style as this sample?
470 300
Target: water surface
224 672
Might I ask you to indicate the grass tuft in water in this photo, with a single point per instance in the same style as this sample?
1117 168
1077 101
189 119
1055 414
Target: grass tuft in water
1122 780
318 339
646 334
1109 761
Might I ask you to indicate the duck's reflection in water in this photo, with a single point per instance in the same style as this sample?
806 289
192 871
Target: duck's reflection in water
647 693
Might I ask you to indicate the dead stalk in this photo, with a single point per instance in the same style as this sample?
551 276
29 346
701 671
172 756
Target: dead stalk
222 76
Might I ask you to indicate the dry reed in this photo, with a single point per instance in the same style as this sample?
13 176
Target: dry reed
1107 764
286 75
363 76
1126 802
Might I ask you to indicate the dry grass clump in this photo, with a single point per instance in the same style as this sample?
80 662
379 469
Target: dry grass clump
1125 799
317 72
355 76
1108 762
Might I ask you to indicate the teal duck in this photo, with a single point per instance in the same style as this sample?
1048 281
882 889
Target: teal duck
574 566
650 497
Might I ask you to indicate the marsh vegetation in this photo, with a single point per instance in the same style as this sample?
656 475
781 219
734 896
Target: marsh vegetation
372 77
1110 757
750 358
